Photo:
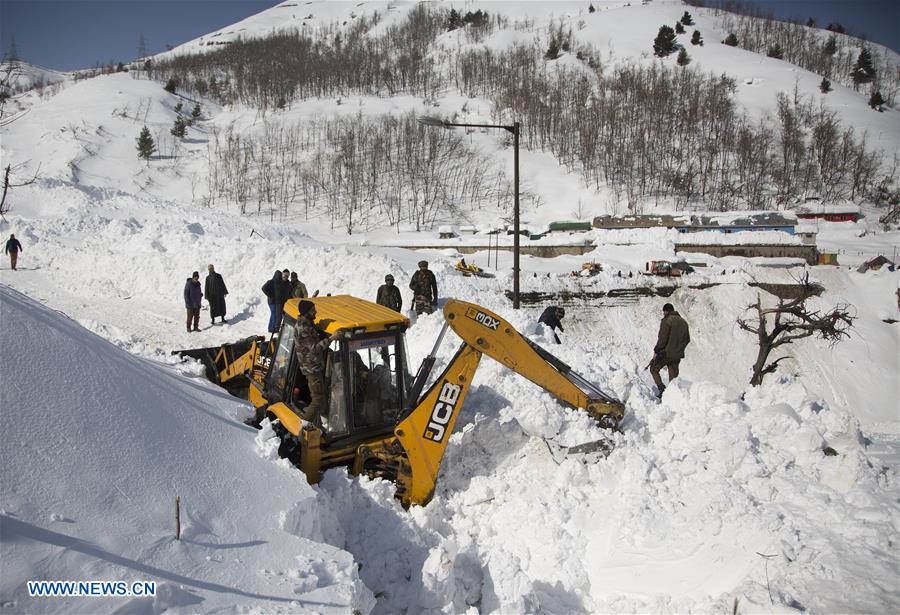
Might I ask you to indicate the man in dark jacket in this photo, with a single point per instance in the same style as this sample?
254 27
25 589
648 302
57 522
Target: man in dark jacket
192 297
13 247
283 289
552 317
389 295
215 291
309 350
674 336
269 291
424 287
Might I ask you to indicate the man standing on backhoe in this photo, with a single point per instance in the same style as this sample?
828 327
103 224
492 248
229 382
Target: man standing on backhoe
424 287
673 338
309 349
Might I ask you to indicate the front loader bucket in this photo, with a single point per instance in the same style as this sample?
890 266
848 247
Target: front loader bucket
223 363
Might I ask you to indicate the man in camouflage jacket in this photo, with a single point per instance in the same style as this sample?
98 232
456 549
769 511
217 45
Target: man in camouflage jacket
424 287
309 349
389 295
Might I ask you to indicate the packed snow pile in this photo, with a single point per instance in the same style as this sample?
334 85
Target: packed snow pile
781 498
718 238
98 443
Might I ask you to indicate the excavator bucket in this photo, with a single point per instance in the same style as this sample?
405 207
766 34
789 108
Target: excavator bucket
230 365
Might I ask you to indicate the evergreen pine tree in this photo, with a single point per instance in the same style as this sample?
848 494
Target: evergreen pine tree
696 39
830 46
553 50
664 43
591 9
196 112
178 107
683 58
876 100
679 29
145 145
775 51
810 23
731 40
179 128
686 19
825 85
170 85
454 20
863 72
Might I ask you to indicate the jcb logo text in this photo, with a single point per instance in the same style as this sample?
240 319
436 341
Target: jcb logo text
442 412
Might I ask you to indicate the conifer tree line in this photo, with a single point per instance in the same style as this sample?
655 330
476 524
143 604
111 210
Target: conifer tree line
835 56
359 173
648 131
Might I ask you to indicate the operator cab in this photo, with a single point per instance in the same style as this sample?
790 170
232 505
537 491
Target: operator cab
366 371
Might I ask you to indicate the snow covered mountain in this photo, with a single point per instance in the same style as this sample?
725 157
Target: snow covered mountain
720 495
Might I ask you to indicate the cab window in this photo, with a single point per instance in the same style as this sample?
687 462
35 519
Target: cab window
276 381
375 382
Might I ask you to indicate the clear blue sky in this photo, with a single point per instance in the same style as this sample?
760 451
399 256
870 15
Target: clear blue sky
70 34
877 20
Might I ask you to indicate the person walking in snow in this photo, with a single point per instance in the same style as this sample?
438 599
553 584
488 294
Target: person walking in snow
309 350
215 294
389 295
424 287
298 288
269 291
552 317
192 297
674 336
13 247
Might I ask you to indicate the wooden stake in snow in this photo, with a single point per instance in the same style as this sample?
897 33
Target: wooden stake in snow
177 517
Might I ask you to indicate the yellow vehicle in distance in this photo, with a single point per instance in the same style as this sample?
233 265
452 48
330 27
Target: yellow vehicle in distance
379 420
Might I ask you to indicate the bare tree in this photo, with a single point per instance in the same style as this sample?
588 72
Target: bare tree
793 320
9 73
4 207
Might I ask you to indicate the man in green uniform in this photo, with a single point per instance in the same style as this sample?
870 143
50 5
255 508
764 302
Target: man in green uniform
673 338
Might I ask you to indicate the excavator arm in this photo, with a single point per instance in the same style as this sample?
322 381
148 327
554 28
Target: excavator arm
429 421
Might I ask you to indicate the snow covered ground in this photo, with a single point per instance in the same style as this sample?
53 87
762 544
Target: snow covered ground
671 521
721 494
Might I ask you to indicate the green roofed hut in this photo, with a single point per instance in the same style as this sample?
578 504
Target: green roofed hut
569 227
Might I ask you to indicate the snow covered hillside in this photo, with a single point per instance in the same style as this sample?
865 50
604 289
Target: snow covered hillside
781 498
97 445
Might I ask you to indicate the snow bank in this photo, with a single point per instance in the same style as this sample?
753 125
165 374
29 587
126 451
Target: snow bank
710 238
96 445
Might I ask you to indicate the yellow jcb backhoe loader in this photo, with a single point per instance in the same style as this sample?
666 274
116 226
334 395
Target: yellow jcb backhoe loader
377 419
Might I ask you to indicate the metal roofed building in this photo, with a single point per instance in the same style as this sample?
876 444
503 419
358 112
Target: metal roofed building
729 222
813 209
